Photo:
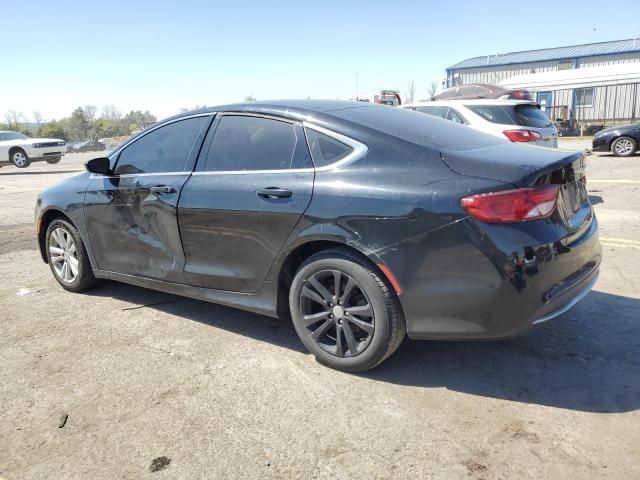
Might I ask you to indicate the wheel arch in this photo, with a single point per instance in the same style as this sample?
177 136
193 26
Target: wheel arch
16 148
295 256
43 224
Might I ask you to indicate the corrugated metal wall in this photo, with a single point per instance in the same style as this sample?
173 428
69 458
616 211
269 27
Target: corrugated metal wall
603 60
611 105
497 74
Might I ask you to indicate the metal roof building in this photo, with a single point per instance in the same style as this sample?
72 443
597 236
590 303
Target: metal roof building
585 87
496 68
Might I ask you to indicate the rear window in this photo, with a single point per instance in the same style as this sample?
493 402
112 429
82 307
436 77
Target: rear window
523 115
532 116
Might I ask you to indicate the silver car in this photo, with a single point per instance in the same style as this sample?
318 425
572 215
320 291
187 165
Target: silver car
512 120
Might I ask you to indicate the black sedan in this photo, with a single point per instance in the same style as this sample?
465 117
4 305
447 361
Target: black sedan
88 146
362 223
622 141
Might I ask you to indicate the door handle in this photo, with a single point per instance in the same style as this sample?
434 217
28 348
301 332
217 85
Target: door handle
274 192
162 189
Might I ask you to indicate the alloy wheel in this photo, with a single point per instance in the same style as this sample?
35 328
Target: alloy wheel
337 313
19 159
63 254
624 146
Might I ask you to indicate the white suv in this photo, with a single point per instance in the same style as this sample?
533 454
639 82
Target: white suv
21 150
514 120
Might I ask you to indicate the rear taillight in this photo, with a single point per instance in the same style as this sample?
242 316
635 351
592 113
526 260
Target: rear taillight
522 135
513 205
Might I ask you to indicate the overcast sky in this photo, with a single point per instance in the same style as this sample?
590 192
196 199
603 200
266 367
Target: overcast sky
162 56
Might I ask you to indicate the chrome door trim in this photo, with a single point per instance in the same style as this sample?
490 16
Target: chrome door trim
131 175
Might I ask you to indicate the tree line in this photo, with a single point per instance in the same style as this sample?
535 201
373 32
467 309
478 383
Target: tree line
84 123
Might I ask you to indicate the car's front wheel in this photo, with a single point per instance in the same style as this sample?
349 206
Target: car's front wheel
20 159
624 147
53 160
67 257
345 312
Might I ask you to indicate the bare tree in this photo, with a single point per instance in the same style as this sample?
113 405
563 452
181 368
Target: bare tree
37 117
411 92
90 113
250 98
433 88
13 119
110 112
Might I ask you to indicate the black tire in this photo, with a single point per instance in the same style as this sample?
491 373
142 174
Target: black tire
53 160
84 278
20 158
369 289
624 147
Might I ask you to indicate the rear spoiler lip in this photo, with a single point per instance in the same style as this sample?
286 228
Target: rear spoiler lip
569 159
528 174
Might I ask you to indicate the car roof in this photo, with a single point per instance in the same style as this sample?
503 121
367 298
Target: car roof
478 101
293 108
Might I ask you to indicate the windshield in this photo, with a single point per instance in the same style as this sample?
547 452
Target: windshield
13 136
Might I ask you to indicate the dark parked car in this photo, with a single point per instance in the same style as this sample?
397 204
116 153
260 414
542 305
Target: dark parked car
362 222
88 146
482 90
622 141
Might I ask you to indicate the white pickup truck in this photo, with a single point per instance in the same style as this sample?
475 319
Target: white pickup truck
20 150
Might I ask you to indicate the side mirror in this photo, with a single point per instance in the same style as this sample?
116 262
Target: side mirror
101 166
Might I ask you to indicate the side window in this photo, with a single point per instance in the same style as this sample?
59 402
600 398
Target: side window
165 149
324 149
436 111
254 143
454 116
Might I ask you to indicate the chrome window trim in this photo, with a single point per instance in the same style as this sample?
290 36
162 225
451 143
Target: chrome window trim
268 116
131 175
248 172
359 149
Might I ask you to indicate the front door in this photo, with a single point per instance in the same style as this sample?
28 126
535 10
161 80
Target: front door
544 99
131 215
252 183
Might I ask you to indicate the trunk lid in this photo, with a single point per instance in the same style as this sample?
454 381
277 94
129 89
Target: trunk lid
526 166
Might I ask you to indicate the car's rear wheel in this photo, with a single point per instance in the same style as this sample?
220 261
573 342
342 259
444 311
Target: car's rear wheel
67 257
624 147
20 159
345 312
53 160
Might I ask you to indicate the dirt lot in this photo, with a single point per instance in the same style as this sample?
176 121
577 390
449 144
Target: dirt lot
150 381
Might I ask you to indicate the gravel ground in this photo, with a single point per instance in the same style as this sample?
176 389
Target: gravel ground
131 383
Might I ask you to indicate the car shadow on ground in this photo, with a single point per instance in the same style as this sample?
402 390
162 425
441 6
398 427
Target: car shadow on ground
587 360
595 199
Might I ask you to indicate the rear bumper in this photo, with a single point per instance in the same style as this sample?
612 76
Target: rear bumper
465 286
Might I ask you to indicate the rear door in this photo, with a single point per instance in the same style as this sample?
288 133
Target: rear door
131 215
253 181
